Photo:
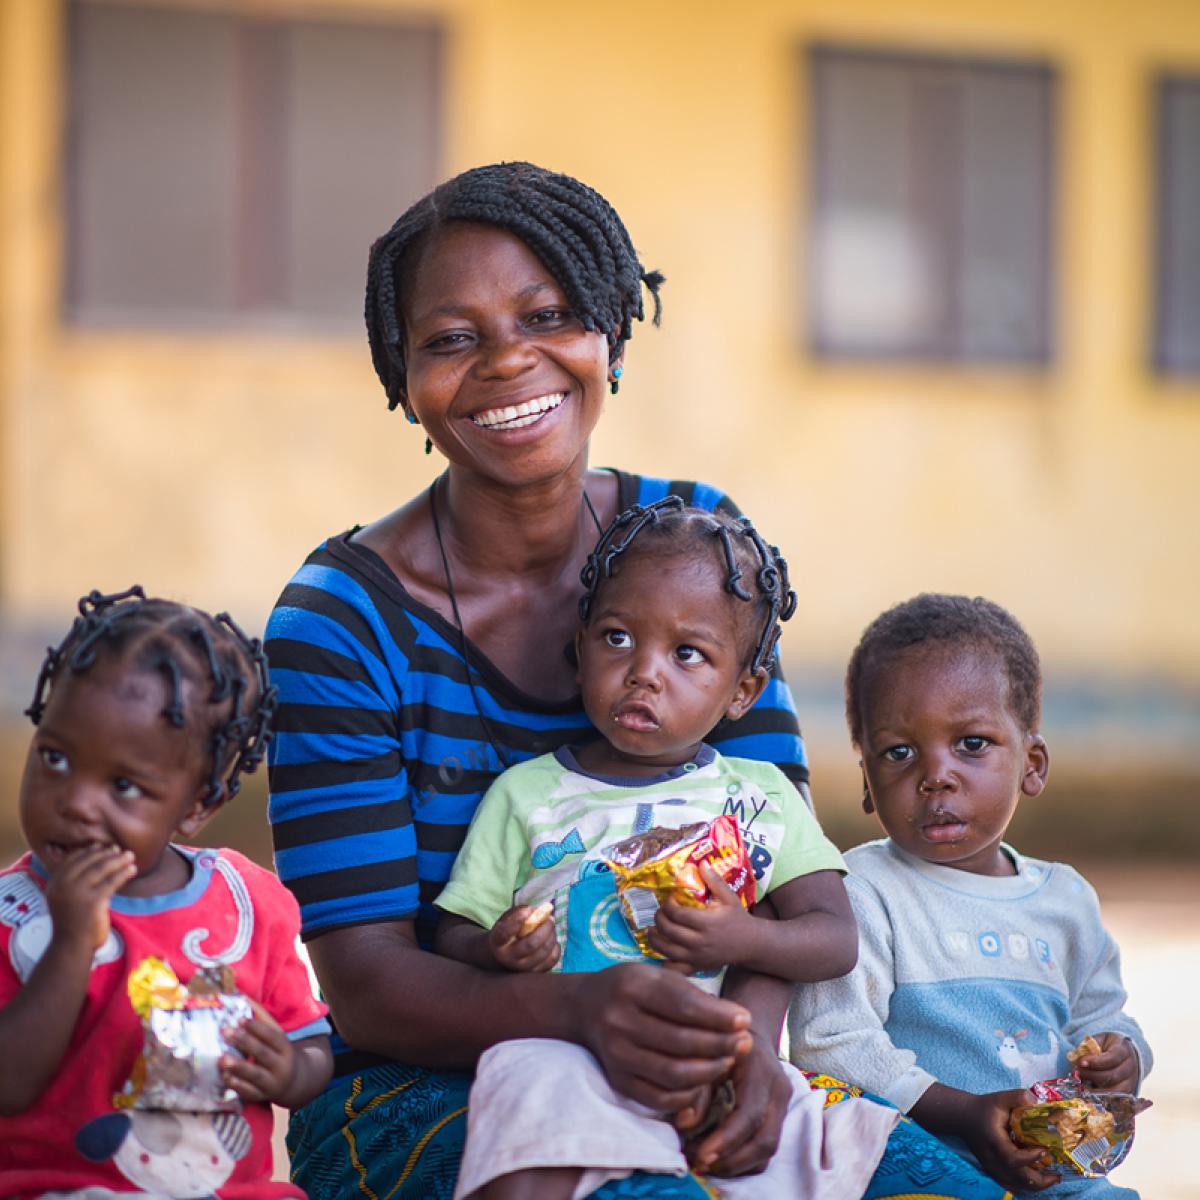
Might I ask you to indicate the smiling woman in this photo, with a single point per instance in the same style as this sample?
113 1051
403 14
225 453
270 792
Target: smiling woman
422 655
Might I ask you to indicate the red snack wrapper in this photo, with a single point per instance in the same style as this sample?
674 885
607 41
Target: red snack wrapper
1084 1132
662 862
182 1039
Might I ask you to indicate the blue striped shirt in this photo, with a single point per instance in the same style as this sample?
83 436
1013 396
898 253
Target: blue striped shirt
380 755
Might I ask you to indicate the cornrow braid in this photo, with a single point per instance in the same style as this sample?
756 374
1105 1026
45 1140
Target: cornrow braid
180 644
575 232
743 552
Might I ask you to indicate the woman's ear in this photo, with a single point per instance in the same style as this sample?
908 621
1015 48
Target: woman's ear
867 803
749 688
1037 765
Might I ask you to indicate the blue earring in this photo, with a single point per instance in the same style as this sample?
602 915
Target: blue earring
617 372
412 417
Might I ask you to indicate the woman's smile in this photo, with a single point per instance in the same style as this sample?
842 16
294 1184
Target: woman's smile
519 415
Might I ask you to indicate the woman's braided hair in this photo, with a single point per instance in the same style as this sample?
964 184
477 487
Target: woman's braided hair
575 232
745 556
182 645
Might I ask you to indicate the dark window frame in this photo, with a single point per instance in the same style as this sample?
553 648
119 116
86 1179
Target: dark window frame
258 299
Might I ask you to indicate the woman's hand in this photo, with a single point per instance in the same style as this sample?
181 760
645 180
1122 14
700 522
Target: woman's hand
702 939
1114 1069
659 1038
523 939
745 1141
78 893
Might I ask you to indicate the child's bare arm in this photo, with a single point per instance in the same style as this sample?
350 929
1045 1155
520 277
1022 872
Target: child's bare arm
36 1025
523 939
275 1069
982 1122
814 938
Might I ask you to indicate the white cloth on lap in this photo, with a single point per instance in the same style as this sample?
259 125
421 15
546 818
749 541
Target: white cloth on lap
542 1103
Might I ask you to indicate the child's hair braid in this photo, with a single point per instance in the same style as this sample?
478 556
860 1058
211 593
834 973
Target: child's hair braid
935 617
575 232
180 643
743 553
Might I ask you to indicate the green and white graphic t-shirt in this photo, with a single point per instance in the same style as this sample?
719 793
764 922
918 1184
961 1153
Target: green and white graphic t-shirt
541 831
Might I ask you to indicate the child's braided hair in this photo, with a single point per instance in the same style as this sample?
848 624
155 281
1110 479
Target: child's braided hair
743 553
575 232
934 617
182 644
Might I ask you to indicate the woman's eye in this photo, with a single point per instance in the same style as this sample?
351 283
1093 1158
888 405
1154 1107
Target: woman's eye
618 639
689 655
973 743
447 341
898 753
126 789
53 760
550 316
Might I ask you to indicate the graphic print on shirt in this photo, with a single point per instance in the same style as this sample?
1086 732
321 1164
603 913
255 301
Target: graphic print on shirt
736 799
1030 1067
181 1156
24 910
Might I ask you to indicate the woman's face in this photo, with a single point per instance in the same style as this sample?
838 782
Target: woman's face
501 374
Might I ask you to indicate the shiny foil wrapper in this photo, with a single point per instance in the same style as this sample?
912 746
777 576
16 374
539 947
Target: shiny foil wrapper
1083 1132
662 862
182 1040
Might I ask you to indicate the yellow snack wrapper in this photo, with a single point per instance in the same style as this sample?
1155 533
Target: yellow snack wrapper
1083 1132
661 862
182 1039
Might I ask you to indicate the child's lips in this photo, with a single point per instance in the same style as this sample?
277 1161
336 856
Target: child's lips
944 829
636 717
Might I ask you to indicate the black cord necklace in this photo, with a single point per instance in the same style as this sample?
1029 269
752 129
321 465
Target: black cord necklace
458 621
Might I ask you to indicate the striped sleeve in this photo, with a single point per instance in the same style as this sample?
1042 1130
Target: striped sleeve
770 731
339 808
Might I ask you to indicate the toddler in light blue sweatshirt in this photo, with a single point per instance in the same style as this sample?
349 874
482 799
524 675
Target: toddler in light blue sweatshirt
978 968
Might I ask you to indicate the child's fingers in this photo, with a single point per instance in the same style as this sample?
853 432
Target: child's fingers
259 1040
722 893
520 922
251 1080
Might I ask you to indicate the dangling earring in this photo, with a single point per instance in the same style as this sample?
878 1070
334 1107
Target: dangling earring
412 416
868 804
429 445
615 382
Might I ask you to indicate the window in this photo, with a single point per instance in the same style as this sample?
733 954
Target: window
227 169
931 207
1177 316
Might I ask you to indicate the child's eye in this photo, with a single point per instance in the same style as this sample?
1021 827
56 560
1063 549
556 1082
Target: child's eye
126 789
53 760
898 753
973 743
690 655
618 639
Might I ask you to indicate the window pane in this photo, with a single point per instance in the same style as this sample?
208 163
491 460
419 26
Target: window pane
150 178
362 128
930 228
1177 329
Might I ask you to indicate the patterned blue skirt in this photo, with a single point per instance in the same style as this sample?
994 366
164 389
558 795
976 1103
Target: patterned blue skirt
397 1133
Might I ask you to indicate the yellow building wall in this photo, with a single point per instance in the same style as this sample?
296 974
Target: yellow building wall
205 466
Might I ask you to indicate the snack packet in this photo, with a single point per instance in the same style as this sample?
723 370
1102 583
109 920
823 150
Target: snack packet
182 1040
662 862
1084 1132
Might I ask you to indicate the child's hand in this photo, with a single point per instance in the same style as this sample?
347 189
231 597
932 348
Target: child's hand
703 939
1114 1069
523 939
265 1074
985 1130
79 891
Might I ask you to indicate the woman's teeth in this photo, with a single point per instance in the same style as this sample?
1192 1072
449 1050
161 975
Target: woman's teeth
515 416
